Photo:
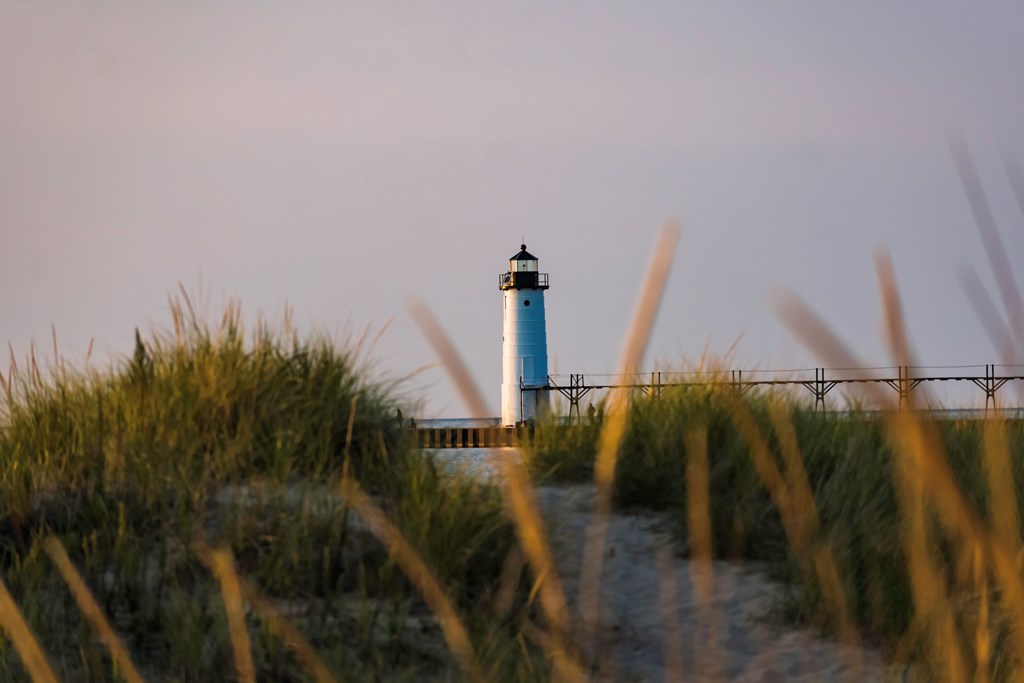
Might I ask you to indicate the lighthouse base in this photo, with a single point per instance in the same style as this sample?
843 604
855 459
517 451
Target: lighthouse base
523 405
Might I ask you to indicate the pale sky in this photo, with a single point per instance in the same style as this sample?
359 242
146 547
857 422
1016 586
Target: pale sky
341 157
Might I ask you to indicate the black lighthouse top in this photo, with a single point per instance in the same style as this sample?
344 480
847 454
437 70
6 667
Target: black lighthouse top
523 255
522 272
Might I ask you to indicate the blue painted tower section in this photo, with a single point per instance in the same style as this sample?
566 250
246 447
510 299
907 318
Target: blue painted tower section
524 355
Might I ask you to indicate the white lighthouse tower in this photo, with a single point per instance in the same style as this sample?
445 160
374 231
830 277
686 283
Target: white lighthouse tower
524 351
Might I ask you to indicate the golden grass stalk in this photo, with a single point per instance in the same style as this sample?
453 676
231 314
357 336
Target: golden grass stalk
455 634
525 514
511 572
987 314
519 500
180 320
791 493
928 581
25 644
698 505
357 348
1002 488
449 355
613 428
518 493
928 470
668 594
807 525
91 610
350 428
290 636
222 564
1015 175
698 524
982 637
932 608
995 250
566 668
955 512
12 361
380 333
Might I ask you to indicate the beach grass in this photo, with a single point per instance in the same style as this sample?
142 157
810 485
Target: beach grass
136 501
815 498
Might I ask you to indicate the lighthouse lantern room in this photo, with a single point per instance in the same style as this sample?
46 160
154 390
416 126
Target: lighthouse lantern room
524 363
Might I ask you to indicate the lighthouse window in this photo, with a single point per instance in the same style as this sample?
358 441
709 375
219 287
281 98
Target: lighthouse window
526 302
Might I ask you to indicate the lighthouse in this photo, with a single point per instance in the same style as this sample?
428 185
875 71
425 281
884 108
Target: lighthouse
524 350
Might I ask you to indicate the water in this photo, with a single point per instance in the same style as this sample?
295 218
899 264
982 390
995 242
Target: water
480 462
449 422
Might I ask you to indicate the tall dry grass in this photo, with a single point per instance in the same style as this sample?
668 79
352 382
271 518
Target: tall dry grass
194 512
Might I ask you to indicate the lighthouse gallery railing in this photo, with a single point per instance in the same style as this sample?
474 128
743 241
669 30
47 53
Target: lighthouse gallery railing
526 279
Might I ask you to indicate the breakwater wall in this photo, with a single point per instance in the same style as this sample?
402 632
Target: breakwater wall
490 436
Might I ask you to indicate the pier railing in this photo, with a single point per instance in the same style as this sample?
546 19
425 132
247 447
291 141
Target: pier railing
902 379
818 381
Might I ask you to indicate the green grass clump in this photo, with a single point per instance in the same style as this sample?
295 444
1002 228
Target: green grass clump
651 470
206 438
849 461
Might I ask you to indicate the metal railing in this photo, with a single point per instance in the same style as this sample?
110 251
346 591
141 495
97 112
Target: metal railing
523 279
902 379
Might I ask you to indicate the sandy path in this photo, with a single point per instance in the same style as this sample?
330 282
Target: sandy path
728 638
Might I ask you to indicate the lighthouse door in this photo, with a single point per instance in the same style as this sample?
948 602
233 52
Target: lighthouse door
527 371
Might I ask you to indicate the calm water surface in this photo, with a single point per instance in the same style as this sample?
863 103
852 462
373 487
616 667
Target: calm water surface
482 462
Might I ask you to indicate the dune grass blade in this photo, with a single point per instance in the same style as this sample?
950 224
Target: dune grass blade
523 510
959 518
239 439
1002 488
928 581
932 604
698 524
350 429
1005 515
520 502
987 314
614 426
92 612
932 610
805 325
922 470
291 636
955 512
419 575
32 657
668 600
449 355
806 527
896 333
982 636
791 494
930 471
222 564
990 239
1015 175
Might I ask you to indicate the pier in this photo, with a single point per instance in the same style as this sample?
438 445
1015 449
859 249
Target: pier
489 433
902 379
489 436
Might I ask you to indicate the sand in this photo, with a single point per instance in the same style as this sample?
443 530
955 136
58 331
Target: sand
654 628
